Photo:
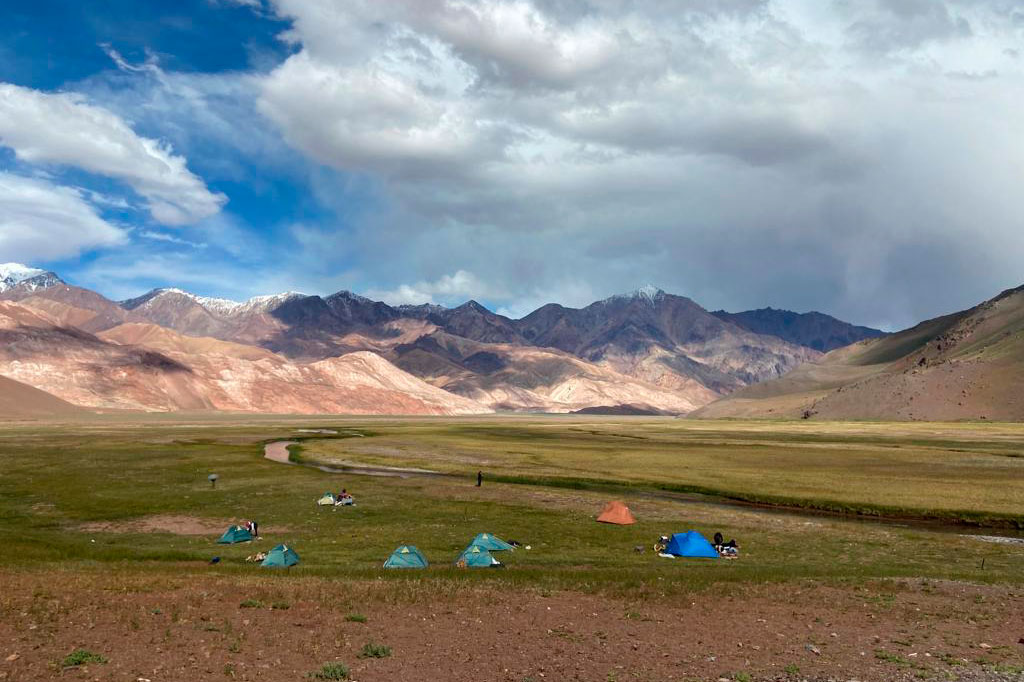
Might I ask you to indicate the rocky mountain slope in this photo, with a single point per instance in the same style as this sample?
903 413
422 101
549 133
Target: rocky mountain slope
968 365
146 367
649 350
813 330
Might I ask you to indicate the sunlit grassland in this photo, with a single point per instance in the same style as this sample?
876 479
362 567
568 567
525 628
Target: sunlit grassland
58 479
969 472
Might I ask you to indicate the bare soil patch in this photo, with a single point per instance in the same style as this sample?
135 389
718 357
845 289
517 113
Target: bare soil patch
165 523
194 627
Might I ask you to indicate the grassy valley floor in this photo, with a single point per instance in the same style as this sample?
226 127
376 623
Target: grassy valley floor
108 527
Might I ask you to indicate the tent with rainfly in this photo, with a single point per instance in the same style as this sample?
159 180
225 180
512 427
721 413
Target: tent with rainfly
235 534
281 556
406 556
691 544
490 543
618 513
326 500
476 556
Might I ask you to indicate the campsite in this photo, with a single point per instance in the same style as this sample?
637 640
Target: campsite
119 512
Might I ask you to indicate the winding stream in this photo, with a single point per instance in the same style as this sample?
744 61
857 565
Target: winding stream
278 452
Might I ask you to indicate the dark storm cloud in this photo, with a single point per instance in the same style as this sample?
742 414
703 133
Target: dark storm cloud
853 157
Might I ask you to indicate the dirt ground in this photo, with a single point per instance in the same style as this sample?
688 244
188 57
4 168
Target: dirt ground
192 628
163 523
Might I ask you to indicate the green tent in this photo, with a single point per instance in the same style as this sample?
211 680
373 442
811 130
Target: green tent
281 556
406 556
490 543
235 534
327 500
476 556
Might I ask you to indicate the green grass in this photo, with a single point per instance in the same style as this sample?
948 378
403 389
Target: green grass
371 650
331 671
854 468
252 604
355 618
890 657
66 489
82 657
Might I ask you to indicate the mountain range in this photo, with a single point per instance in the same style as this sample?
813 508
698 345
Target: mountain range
967 365
643 352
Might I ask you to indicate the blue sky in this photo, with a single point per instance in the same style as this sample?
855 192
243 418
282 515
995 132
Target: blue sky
859 158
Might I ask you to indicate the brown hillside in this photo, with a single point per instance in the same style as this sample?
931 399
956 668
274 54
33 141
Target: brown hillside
968 365
20 401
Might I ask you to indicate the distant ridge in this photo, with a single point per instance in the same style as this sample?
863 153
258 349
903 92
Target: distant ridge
967 365
644 351
814 330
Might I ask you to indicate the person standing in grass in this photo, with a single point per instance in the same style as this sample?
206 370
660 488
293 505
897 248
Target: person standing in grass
479 478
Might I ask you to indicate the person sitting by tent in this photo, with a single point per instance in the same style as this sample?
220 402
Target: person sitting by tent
730 550
253 527
661 544
258 556
719 541
345 498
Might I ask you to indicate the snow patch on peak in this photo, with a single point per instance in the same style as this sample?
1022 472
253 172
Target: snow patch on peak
226 306
647 293
31 279
18 272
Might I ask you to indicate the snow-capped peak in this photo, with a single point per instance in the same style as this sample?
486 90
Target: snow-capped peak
12 274
222 306
648 293
18 272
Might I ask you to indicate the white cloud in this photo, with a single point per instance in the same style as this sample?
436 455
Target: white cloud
41 221
62 128
788 152
457 287
170 239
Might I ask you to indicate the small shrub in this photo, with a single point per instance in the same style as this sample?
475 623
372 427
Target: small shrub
281 605
82 657
895 659
331 671
792 669
371 650
235 646
252 604
742 677
355 618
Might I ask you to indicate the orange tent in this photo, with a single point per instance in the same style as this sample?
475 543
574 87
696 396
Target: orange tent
617 513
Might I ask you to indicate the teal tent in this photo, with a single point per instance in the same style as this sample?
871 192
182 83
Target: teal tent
326 500
406 556
490 543
235 534
691 544
281 556
476 556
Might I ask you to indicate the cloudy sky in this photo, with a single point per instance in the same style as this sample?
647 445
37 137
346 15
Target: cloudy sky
864 158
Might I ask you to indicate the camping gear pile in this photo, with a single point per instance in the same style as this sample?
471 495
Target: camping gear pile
342 499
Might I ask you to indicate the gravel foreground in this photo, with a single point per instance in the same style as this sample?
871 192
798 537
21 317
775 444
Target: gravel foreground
211 627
